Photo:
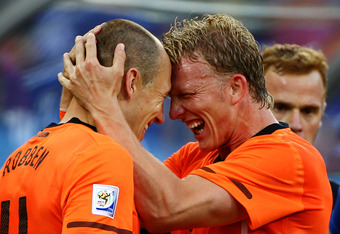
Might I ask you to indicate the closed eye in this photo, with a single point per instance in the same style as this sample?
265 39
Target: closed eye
185 95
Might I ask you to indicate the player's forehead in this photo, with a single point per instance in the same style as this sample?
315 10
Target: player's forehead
191 75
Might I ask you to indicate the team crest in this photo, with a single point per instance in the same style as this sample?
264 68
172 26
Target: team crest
104 200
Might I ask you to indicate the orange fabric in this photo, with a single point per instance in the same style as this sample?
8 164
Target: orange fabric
56 171
135 222
280 179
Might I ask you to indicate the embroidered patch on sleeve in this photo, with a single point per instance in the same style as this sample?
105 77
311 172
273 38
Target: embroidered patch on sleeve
104 200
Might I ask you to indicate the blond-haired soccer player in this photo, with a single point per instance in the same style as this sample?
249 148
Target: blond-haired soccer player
247 173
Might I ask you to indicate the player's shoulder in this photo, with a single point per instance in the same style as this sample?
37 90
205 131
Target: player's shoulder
84 136
82 130
91 145
281 142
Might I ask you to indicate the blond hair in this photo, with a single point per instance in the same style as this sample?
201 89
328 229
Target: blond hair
225 44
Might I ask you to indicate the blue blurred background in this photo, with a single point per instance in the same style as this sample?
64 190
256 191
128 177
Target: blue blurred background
34 34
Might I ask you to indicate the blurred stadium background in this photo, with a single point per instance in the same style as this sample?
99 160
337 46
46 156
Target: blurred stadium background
35 33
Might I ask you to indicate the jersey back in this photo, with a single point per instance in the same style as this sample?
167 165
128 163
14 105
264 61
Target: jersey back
67 179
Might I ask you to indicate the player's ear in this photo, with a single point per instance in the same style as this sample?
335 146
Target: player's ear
237 88
132 77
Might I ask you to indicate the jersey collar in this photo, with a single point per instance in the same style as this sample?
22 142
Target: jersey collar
272 128
76 121
266 131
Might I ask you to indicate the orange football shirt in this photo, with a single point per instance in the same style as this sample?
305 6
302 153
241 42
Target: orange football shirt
68 179
278 177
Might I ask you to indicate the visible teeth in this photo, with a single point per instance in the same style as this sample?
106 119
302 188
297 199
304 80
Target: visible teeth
193 125
199 131
196 126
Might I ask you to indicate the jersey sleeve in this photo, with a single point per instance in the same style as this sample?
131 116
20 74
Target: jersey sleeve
98 191
173 164
267 180
188 158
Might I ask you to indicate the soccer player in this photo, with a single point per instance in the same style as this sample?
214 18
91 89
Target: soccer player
71 179
296 78
246 173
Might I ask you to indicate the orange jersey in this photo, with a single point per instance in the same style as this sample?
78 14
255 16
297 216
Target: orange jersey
279 178
68 179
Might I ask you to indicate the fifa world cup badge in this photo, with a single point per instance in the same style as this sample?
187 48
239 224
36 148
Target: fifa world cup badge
104 200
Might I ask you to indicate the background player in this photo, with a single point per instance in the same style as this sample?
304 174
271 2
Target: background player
296 77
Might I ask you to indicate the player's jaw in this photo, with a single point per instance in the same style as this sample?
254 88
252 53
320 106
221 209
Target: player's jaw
141 134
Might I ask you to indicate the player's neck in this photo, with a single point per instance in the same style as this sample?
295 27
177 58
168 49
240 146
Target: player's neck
247 127
77 111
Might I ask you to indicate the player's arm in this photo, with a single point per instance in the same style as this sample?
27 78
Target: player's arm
163 201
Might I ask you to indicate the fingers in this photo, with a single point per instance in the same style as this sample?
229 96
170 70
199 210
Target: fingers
119 59
91 50
117 69
68 65
73 55
80 53
66 83
95 31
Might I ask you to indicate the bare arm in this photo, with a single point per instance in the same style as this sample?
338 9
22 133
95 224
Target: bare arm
164 202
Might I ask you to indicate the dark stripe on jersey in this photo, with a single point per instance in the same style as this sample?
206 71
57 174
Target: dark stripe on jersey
243 188
98 226
266 131
74 120
207 169
272 128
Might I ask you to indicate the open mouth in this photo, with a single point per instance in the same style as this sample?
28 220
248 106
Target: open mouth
196 126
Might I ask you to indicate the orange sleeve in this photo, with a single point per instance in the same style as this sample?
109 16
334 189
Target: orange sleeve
97 194
189 158
173 164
